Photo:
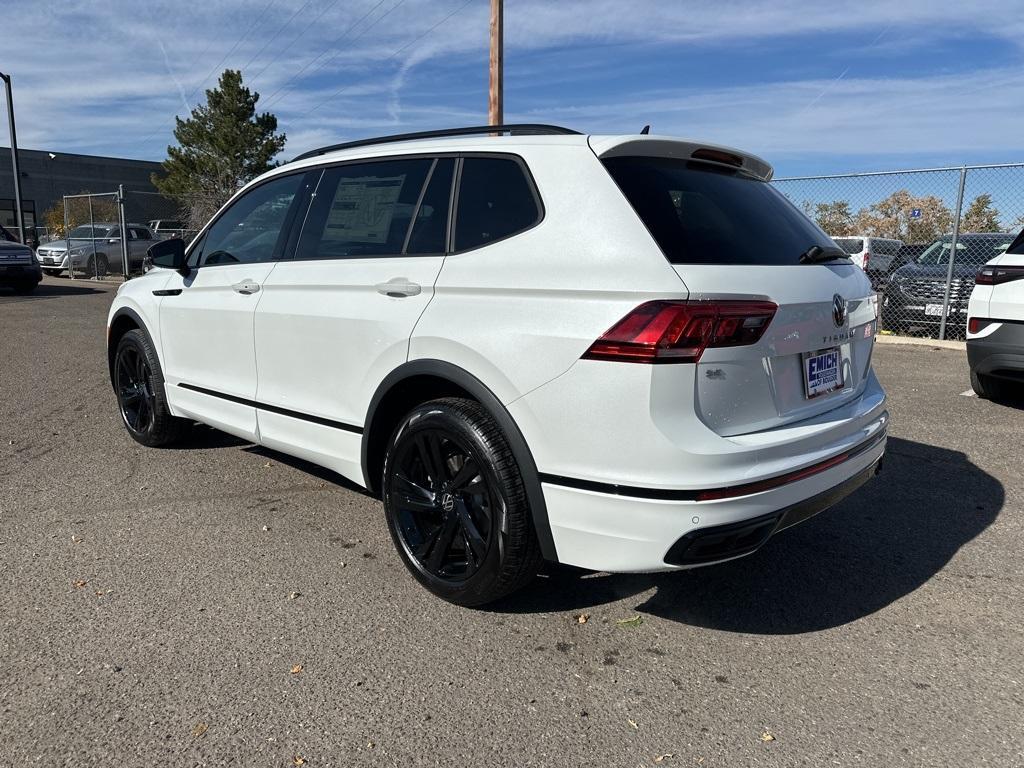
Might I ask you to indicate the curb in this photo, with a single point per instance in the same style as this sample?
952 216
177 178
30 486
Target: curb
960 346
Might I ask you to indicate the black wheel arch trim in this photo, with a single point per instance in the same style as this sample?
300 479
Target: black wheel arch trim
112 349
516 441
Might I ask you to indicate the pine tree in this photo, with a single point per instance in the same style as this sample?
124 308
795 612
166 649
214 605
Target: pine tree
221 146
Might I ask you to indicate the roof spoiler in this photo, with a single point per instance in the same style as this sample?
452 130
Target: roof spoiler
681 149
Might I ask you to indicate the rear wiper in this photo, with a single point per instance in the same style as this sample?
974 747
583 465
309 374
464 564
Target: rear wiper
818 255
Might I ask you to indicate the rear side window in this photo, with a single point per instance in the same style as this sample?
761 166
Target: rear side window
431 225
704 214
363 209
496 200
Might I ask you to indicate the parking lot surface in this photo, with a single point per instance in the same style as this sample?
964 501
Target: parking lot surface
222 604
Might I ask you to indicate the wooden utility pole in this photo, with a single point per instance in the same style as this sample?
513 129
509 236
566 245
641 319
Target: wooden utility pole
496 109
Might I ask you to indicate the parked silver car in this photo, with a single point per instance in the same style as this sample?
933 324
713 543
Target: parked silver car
96 249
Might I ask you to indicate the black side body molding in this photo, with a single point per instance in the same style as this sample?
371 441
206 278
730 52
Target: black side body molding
468 382
275 409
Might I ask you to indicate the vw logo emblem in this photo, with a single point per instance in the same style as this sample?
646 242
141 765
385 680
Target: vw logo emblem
447 502
838 310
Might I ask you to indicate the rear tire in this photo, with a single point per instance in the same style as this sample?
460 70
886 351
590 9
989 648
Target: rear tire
987 387
23 289
456 506
141 398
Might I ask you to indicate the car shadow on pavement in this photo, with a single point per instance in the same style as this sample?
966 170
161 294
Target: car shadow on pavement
876 546
51 291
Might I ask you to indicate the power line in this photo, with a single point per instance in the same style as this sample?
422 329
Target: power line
389 58
271 99
275 35
224 58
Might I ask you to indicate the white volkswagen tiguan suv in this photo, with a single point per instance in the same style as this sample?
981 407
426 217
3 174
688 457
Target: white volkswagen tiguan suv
625 353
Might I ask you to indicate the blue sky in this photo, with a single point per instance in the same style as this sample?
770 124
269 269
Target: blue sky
812 87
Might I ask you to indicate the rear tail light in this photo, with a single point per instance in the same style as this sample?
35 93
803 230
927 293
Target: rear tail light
680 331
995 275
977 324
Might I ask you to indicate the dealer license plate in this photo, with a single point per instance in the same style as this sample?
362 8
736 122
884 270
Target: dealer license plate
823 372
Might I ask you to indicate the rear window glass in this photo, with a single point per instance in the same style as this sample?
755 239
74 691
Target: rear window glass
703 214
849 244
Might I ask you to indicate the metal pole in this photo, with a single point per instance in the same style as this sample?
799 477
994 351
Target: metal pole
496 96
14 158
952 251
122 220
67 240
92 236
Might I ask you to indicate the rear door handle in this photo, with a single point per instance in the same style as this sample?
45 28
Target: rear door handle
399 286
246 287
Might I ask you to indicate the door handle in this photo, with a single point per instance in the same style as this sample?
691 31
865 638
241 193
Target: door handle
399 286
246 287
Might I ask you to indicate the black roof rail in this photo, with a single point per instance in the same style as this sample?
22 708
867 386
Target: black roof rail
512 129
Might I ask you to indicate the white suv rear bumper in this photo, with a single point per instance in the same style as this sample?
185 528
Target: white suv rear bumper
628 533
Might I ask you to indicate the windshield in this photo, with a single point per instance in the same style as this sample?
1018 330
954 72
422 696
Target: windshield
704 214
850 244
970 249
87 231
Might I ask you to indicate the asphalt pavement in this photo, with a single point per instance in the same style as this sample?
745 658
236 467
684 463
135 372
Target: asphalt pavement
220 604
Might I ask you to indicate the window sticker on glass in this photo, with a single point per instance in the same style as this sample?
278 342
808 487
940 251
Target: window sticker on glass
363 209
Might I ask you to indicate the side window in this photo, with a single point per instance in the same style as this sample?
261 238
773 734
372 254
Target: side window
363 209
140 233
249 230
431 225
495 201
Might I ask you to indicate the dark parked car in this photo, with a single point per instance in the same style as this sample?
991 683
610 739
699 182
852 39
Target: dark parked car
18 267
915 291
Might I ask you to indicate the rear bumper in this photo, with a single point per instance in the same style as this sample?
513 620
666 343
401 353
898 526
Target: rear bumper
627 533
1000 353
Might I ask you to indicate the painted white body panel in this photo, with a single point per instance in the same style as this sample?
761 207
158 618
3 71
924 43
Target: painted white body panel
999 302
207 341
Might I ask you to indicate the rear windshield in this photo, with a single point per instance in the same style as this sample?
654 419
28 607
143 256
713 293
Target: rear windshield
849 244
705 214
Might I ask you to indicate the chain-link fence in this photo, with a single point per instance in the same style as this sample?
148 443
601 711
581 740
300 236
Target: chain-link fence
920 235
86 239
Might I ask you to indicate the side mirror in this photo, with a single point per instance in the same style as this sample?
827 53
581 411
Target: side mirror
169 254
114 240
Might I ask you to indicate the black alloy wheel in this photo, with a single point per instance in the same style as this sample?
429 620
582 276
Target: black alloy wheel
444 508
456 505
141 399
134 381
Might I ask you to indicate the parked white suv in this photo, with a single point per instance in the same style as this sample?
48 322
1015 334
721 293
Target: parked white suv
995 325
626 353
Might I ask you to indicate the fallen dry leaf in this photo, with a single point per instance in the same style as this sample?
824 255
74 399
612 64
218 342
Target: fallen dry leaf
634 621
662 758
266 528
79 584
633 723
294 595
296 669
583 618
767 736
200 729
298 760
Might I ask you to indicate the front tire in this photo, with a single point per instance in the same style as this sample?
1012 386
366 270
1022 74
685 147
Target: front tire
23 289
141 399
456 505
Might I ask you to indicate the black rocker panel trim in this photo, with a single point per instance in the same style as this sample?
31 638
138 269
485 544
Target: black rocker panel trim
275 409
516 441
